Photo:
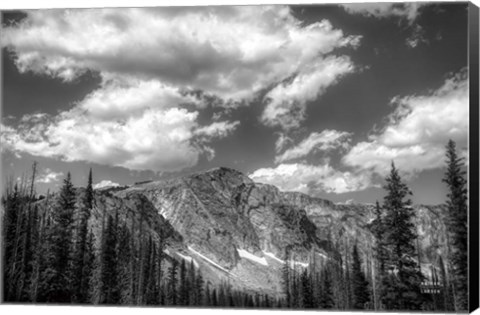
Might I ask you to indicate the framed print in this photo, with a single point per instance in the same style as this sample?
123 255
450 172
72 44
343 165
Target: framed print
290 157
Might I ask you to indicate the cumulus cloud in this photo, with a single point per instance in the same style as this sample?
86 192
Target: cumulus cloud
325 141
105 183
311 179
156 140
416 132
286 103
407 10
218 129
49 176
126 97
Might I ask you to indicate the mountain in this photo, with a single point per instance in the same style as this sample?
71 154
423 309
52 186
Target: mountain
237 231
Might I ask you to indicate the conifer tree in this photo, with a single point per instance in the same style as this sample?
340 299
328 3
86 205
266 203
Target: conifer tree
183 287
307 294
199 289
172 283
457 223
60 258
207 296
124 264
403 282
447 296
378 230
213 299
80 283
359 282
286 279
151 294
161 246
46 272
88 269
109 269
37 259
191 284
295 289
326 292
11 206
29 248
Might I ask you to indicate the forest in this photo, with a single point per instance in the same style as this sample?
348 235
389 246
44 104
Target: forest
50 255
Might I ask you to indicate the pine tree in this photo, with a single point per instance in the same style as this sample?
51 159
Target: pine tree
37 239
359 282
326 292
88 269
80 284
24 269
151 293
213 299
378 230
457 223
207 296
11 206
61 237
307 294
133 265
199 289
183 287
109 261
286 279
172 283
191 284
140 290
403 282
46 272
448 304
124 264
161 247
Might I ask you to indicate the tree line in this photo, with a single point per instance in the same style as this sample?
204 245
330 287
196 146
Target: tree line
52 255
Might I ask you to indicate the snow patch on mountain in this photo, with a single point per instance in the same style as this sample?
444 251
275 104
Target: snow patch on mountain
208 260
271 255
244 254
188 259
299 263
304 265
322 255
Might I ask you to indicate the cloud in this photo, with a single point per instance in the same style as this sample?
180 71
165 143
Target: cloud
311 179
408 10
105 183
156 140
416 132
325 141
282 141
129 96
218 129
417 37
286 103
49 176
157 137
231 52
159 68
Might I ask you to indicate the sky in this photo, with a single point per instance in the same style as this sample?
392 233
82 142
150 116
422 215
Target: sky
312 98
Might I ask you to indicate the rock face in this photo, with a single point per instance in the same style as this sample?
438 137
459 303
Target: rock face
236 230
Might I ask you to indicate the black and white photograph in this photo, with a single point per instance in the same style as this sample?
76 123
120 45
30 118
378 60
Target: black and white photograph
265 156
